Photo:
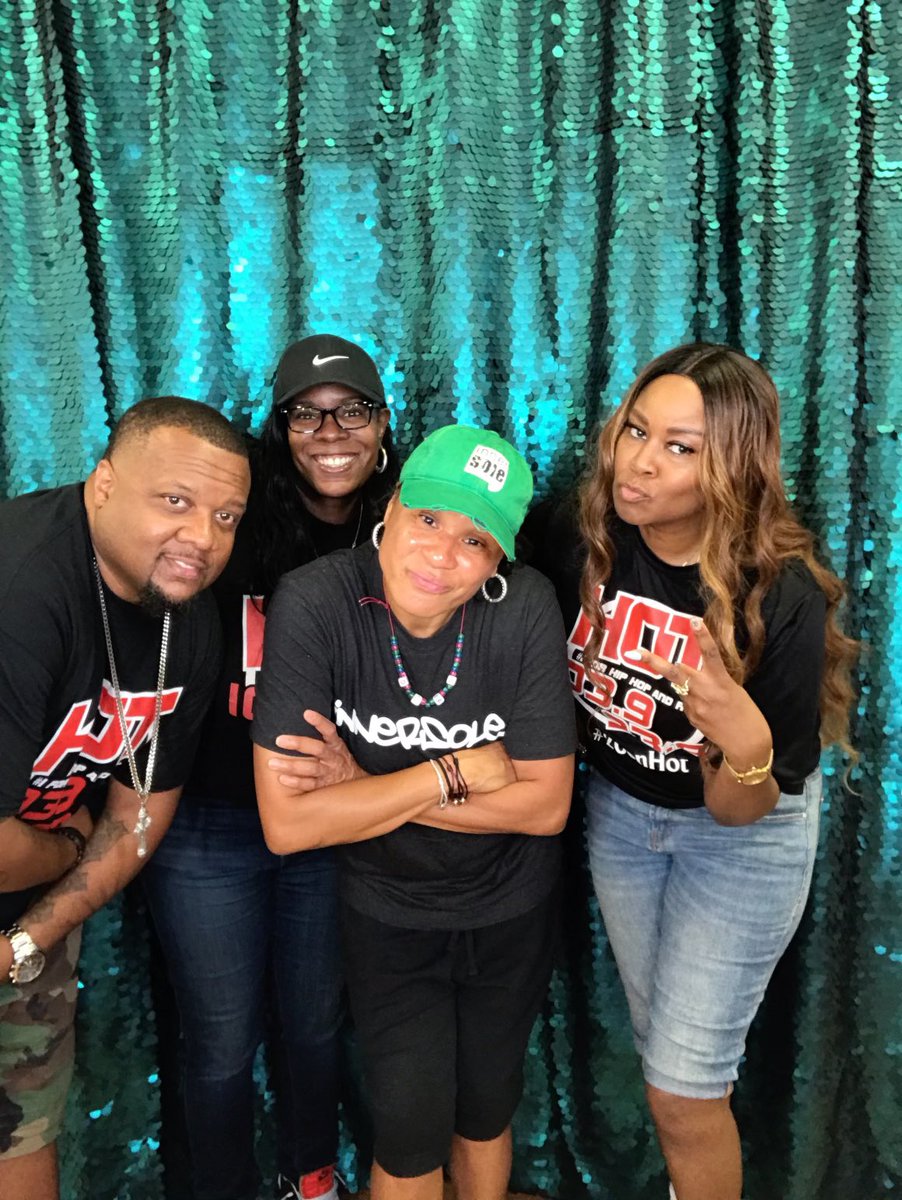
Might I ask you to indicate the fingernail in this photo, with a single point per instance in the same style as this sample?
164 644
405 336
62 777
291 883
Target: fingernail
696 623
632 655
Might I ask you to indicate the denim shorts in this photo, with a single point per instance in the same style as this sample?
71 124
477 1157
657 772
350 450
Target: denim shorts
697 915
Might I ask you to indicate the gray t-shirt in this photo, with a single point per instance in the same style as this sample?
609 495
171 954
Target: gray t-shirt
326 651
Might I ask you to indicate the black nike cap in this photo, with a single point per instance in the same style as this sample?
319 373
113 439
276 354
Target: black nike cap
325 358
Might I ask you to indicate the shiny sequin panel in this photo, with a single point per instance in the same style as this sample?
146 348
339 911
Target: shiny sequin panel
512 204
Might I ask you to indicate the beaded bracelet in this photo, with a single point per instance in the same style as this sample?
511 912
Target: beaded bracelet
442 781
458 790
76 837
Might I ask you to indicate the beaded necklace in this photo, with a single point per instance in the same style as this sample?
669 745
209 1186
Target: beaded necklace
403 679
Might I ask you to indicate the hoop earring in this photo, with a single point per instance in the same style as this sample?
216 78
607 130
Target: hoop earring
376 535
383 460
495 599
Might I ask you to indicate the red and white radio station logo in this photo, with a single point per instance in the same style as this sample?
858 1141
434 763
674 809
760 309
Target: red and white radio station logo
629 698
242 692
85 748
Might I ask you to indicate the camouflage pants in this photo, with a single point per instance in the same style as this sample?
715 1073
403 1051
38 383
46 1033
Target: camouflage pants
37 1048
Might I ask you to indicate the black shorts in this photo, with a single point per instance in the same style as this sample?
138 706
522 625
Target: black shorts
443 1020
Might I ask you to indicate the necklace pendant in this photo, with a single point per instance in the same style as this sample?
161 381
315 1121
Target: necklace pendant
142 824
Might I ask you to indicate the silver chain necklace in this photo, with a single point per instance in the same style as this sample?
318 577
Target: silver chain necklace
143 790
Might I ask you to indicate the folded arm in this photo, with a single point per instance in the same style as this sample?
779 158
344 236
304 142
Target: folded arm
537 803
324 798
295 818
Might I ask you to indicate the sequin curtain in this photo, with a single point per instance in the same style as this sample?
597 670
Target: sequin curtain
512 204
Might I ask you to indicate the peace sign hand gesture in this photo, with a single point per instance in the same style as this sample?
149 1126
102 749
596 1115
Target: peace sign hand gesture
715 704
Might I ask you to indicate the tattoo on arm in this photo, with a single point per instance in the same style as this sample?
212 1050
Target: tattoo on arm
108 833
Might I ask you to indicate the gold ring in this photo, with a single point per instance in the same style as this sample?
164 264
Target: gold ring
681 689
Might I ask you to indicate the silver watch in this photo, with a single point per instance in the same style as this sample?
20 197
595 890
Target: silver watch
28 960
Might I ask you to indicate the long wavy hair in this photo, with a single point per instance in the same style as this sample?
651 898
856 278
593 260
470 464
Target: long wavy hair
749 533
280 522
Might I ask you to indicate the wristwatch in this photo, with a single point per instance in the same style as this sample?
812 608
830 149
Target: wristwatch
28 960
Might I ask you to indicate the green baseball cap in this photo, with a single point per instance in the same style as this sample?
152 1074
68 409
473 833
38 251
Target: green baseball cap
474 472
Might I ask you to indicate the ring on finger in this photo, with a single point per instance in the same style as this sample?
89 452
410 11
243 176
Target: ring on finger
681 689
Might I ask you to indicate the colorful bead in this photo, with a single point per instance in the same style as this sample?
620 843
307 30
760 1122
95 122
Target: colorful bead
403 678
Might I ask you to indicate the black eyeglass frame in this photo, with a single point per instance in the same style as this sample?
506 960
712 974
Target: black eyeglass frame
370 405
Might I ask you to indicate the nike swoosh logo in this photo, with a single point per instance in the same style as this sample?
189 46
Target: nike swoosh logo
321 362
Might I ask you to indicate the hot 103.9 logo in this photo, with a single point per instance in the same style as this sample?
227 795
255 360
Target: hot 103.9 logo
626 698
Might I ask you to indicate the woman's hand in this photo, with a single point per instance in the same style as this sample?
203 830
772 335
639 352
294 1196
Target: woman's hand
486 768
715 704
327 762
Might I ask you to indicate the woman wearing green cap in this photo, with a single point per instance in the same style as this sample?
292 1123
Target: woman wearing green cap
437 732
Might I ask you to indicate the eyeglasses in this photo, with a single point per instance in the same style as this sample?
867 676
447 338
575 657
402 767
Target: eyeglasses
307 418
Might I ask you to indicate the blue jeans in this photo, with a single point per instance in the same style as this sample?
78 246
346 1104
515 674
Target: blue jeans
698 915
241 928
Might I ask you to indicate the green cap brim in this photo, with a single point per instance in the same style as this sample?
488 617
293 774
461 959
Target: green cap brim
421 493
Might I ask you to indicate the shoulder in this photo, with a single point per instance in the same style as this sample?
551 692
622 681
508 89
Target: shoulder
44 547
794 588
529 585
39 522
794 607
328 585
531 599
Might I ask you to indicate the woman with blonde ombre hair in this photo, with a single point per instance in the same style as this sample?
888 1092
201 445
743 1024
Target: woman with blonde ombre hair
709 671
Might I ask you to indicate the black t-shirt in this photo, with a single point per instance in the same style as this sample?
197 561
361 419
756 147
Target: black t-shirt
632 725
60 738
223 772
326 651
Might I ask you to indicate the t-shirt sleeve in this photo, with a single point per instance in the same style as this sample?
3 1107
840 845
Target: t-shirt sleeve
787 683
180 730
542 723
297 669
26 683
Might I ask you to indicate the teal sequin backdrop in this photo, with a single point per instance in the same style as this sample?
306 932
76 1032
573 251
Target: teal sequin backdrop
512 204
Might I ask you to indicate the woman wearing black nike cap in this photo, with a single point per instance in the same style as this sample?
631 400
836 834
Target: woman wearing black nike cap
237 923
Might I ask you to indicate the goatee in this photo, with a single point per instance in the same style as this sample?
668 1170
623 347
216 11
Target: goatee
156 604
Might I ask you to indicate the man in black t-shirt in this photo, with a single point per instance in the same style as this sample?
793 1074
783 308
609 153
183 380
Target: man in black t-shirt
105 675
